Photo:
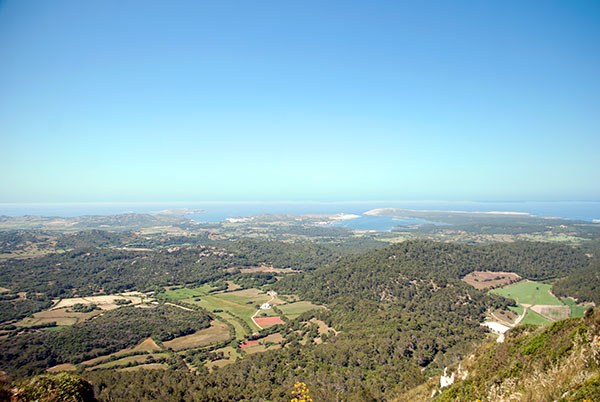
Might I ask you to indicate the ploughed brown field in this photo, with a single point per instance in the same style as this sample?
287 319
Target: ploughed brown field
266 321
489 279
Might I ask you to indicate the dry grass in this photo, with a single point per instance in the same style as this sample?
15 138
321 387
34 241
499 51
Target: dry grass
232 286
489 279
215 333
147 345
323 328
264 268
260 348
259 345
275 338
553 313
107 302
230 357
61 367
129 359
250 293
61 316
547 385
151 366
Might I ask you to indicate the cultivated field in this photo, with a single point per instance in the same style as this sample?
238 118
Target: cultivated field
241 303
529 292
147 345
576 309
230 354
215 333
186 293
268 321
534 318
264 268
151 366
61 316
542 306
293 310
267 343
136 359
489 279
236 306
553 313
107 302
62 367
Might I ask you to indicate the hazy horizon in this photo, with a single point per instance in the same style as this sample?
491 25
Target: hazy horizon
218 211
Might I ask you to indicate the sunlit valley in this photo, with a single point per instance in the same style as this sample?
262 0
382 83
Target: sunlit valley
275 201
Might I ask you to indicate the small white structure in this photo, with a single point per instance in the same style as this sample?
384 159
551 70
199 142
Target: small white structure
446 380
265 306
496 327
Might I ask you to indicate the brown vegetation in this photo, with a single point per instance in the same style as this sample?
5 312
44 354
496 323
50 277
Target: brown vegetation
215 333
489 279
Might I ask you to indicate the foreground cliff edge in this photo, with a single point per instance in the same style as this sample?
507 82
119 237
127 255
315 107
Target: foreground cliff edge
560 362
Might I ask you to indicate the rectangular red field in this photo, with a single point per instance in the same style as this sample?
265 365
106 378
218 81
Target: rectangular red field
266 321
248 343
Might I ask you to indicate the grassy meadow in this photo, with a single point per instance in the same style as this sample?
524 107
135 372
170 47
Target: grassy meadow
529 292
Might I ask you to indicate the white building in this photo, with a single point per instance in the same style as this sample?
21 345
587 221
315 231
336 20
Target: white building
496 327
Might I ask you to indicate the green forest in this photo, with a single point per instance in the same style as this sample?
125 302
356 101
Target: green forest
398 315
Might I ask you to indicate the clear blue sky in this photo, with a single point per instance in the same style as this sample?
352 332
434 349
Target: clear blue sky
305 100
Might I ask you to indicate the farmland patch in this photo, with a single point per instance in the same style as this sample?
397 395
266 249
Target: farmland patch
130 360
61 367
107 302
529 292
268 321
61 316
293 310
151 366
489 279
215 333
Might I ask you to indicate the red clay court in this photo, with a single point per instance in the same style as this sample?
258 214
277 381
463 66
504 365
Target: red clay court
266 321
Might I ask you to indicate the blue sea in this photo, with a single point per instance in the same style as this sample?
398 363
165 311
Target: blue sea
218 211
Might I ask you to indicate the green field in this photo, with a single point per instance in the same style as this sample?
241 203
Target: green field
518 310
241 303
529 292
244 297
576 310
534 318
293 310
187 293
239 329
56 328
130 359
217 302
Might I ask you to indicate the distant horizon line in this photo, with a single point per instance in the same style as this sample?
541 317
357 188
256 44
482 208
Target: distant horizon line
287 202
